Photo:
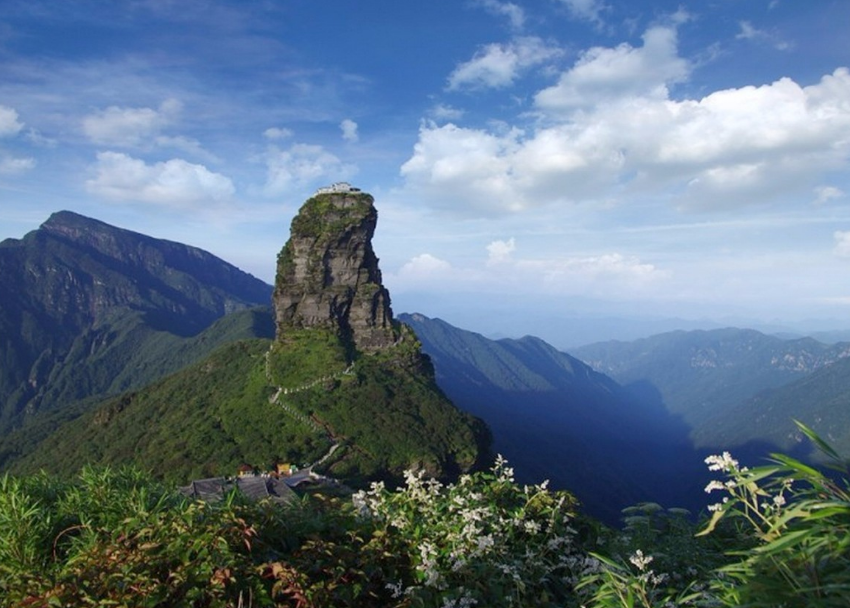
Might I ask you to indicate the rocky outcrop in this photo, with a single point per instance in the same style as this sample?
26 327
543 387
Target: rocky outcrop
328 275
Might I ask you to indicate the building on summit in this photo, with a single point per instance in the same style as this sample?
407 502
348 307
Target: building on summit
337 188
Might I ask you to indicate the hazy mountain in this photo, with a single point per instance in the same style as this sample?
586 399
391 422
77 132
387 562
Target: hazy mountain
555 418
90 309
821 400
700 375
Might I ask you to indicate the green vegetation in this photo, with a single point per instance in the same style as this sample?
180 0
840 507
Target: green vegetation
391 415
90 310
204 421
300 356
825 392
704 376
322 215
115 537
260 402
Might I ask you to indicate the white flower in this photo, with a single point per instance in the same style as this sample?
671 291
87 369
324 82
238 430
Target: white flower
714 485
485 542
640 560
724 462
532 527
397 589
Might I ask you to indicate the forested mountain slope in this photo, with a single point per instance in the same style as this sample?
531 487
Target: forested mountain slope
90 309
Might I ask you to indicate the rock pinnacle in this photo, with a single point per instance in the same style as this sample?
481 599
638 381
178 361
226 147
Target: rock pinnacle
328 275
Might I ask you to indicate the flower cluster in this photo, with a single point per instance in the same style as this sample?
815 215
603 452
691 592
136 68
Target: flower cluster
482 541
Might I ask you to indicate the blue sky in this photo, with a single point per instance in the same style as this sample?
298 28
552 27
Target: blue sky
530 161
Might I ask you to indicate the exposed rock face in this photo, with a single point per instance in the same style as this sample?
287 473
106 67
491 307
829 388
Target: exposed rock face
328 275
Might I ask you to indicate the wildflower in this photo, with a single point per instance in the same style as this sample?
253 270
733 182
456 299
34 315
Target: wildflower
397 589
640 560
532 527
724 463
485 542
714 485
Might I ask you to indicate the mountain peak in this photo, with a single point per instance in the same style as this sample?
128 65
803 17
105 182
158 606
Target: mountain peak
328 275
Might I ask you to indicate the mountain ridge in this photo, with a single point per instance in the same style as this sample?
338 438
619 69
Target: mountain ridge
334 378
68 288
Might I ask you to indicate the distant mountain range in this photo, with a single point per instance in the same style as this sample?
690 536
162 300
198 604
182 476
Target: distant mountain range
737 388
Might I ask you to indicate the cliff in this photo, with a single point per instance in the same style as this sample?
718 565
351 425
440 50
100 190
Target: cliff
328 275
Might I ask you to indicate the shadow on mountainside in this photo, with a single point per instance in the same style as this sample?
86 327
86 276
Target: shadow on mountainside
555 418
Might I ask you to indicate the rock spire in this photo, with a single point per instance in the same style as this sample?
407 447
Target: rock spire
328 275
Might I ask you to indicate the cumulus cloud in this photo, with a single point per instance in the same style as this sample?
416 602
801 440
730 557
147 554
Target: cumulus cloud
349 130
10 126
842 244
275 133
444 112
824 194
171 183
10 165
9 123
424 266
302 164
498 65
610 128
129 127
609 75
500 251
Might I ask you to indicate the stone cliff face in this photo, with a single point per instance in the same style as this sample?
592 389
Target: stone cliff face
328 275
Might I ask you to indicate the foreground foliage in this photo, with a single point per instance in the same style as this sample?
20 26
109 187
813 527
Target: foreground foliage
114 537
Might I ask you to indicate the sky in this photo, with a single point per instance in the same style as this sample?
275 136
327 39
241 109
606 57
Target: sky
536 165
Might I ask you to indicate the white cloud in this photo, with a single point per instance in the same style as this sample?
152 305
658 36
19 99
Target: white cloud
587 10
753 34
424 266
470 166
500 251
842 244
514 13
129 127
9 123
610 75
275 133
185 144
610 129
40 140
300 165
607 274
349 130
498 65
444 112
584 270
824 194
10 165
172 183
